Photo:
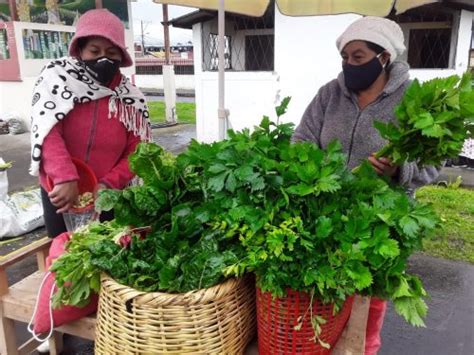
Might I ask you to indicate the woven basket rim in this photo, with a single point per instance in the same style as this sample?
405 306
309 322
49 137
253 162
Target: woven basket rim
193 297
288 290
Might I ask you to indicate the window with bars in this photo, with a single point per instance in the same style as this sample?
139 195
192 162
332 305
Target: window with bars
249 42
213 55
158 69
429 48
429 36
259 52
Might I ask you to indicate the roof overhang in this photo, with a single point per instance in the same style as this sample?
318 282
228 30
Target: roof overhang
187 21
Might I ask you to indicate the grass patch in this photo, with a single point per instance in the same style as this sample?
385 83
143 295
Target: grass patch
5 9
80 5
186 112
455 237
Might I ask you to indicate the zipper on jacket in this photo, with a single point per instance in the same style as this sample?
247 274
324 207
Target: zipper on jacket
352 136
92 132
379 98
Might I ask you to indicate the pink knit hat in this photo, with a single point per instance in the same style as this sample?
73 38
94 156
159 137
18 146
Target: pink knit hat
103 23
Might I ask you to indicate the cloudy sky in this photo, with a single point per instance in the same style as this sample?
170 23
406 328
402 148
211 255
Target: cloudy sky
151 15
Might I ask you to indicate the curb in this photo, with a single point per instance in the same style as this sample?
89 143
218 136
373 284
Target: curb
448 175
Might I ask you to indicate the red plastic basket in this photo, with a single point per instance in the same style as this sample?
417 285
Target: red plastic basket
87 181
277 317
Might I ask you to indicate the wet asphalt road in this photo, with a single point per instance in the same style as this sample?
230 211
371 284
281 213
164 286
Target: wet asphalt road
450 320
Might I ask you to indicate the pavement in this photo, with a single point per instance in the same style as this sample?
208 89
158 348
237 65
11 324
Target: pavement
450 320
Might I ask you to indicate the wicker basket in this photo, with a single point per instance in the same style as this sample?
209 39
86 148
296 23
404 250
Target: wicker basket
277 318
216 320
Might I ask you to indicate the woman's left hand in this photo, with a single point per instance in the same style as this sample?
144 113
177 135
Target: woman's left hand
383 166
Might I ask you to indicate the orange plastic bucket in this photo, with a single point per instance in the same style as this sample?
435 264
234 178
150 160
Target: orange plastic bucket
87 182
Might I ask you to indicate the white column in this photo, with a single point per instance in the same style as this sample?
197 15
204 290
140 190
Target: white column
463 47
169 88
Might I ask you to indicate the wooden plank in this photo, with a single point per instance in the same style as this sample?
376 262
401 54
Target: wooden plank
18 304
30 283
41 259
82 328
3 282
12 258
7 336
20 312
352 340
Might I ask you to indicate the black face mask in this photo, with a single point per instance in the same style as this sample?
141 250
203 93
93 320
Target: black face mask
102 69
360 77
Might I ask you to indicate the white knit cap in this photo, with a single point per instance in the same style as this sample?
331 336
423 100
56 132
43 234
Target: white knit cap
386 33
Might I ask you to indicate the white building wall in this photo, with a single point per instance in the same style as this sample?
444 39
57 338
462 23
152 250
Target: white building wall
15 98
155 82
248 95
306 58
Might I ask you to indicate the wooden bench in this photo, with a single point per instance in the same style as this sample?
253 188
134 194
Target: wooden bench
17 303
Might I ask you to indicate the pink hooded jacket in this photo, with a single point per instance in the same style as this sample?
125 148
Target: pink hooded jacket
88 134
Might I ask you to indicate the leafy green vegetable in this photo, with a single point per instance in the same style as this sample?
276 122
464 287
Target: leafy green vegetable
291 213
75 275
6 165
433 120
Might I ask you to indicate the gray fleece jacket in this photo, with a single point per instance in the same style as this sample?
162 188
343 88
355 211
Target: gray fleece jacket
335 114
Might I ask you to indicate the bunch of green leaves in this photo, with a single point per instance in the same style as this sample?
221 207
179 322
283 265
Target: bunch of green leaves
387 227
433 120
5 165
354 239
184 251
182 257
139 205
75 275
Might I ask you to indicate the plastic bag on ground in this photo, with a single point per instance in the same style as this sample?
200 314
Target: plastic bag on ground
20 213
15 123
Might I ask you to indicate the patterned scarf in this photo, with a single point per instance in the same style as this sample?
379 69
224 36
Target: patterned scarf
65 82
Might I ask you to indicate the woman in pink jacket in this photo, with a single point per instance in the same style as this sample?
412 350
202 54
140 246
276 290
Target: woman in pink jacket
83 107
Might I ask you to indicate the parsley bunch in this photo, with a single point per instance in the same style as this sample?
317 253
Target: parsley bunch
433 120
308 224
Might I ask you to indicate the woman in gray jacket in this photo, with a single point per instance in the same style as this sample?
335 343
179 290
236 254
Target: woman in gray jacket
369 87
